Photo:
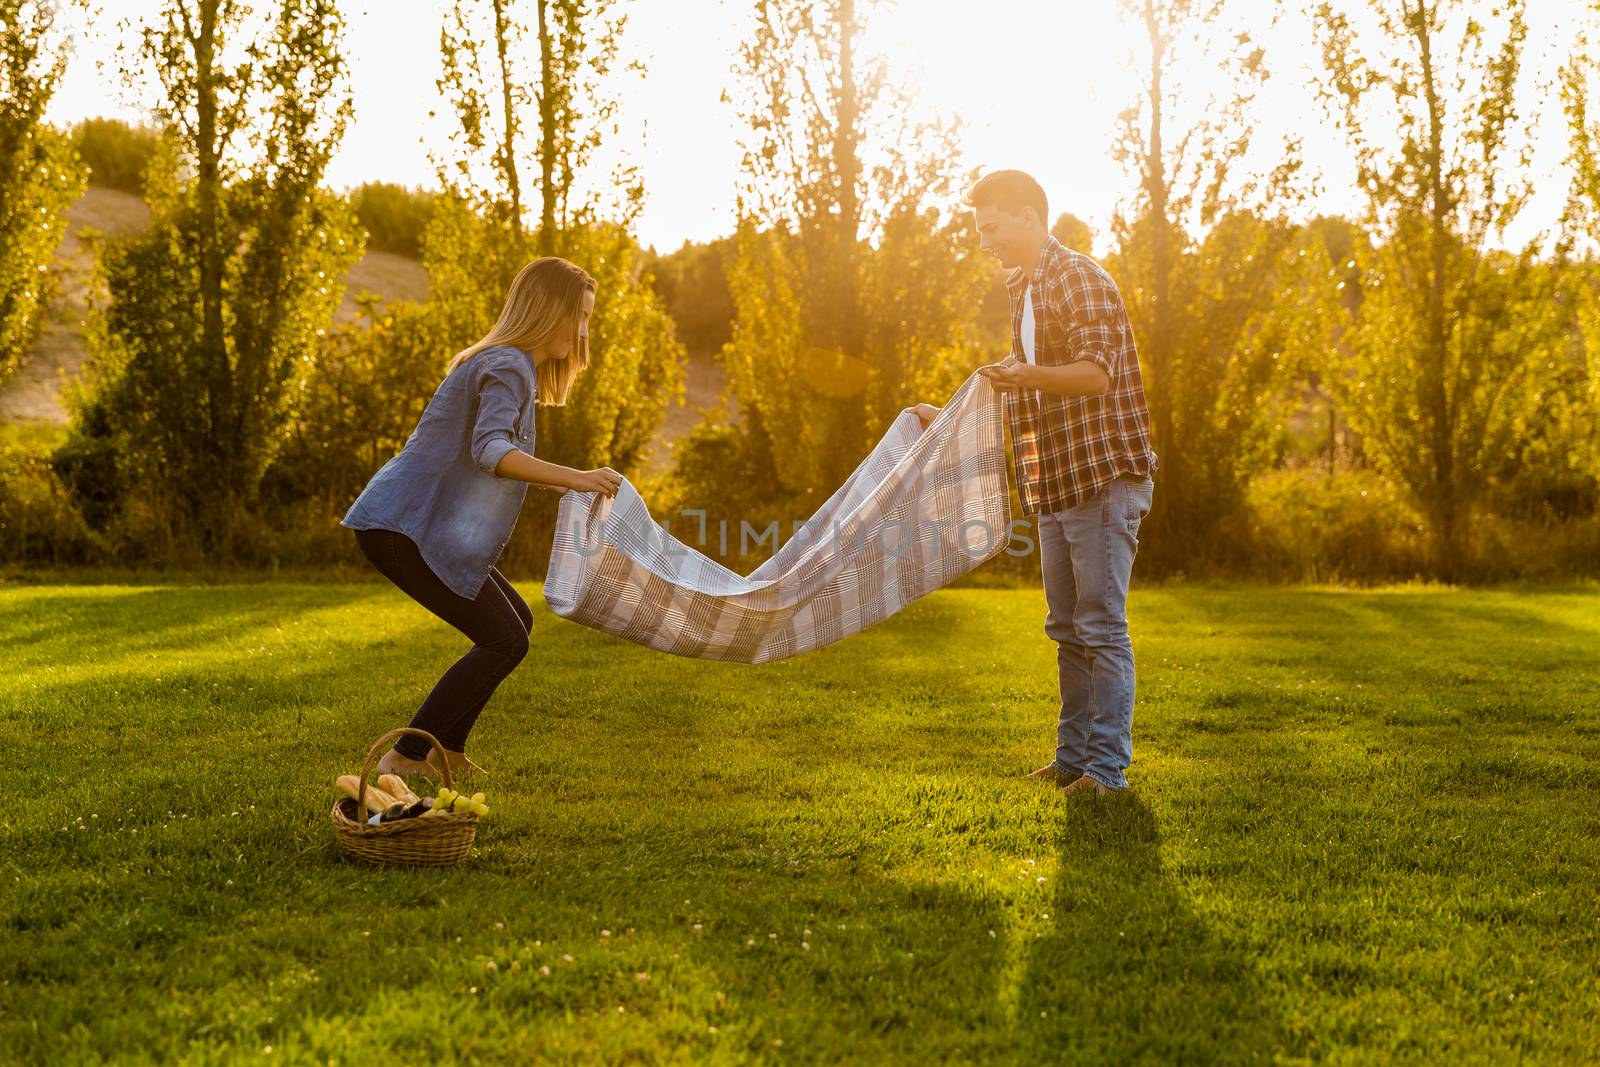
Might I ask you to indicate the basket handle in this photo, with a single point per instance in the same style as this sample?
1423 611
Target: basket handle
377 749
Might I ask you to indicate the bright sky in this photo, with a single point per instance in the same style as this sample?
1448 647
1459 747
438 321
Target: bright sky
1038 83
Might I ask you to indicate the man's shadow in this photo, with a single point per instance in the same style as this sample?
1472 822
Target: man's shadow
1126 971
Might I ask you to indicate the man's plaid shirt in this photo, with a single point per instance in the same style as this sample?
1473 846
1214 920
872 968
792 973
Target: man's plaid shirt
1067 449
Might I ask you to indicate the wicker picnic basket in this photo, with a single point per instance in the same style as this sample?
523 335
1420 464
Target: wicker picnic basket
435 841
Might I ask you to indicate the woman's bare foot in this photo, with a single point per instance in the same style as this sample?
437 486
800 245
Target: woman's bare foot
459 763
393 762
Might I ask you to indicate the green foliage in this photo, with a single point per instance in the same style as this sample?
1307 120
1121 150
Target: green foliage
814 411
371 382
636 365
1203 258
1073 232
693 283
559 57
117 153
1349 526
1441 422
394 217
39 174
189 439
1243 308
477 240
1579 401
213 313
39 521
855 292
1452 347
89 462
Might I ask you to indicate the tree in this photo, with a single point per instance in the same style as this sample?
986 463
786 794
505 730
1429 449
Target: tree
855 286
117 153
373 379
1579 402
563 73
39 172
1451 346
1198 260
394 217
1073 232
693 283
478 240
212 317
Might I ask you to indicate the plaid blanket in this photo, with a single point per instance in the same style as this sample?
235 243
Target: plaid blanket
923 508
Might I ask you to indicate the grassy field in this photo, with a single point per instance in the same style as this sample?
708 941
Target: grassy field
1364 827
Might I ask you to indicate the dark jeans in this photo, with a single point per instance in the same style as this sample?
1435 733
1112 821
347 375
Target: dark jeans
498 621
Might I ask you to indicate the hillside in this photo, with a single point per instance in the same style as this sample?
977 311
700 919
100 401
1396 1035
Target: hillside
34 393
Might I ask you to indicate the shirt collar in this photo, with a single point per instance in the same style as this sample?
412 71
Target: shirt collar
1017 279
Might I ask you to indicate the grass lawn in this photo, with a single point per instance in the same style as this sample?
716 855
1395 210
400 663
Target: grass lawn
1364 827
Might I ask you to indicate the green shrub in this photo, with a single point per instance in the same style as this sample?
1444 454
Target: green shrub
1542 549
38 521
353 411
395 217
117 153
86 463
693 284
1307 525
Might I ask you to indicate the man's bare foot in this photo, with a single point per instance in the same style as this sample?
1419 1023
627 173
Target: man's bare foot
392 762
459 763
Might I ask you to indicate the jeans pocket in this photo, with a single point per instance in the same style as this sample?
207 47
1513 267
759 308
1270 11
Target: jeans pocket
1137 495
1132 503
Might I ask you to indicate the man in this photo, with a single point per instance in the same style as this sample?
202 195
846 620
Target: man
1081 450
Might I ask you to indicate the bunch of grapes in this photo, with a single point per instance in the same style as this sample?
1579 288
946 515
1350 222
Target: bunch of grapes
449 800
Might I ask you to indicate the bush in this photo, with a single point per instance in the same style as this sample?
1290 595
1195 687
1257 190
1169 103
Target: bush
1535 549
395 217
38 522
87 465
1313 526
353 411
117 153
693 284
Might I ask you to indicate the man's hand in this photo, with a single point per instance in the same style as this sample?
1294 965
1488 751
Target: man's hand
1007 375
601 480
925 414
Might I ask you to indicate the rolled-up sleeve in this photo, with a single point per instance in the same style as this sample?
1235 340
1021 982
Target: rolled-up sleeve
502 391
1088 301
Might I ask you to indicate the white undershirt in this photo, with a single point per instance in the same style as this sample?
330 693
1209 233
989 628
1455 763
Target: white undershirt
1027 325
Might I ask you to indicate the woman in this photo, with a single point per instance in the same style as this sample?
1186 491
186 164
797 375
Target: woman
435 518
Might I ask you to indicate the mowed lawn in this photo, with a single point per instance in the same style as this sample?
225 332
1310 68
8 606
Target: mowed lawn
1364 827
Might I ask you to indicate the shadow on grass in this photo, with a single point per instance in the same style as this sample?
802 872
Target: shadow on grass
159 618
756 936
1128 972
1402 616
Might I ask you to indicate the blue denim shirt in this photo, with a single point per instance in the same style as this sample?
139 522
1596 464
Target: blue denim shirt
440 490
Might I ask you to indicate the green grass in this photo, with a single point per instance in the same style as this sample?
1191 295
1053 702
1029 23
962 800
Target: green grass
1363 828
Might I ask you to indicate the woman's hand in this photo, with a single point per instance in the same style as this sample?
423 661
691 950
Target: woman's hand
601 480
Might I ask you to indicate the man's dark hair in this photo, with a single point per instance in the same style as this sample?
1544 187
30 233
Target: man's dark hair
1010 190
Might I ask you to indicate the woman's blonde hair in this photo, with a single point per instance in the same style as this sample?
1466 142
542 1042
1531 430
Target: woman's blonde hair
546 296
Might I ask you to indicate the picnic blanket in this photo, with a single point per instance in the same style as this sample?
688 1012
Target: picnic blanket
923 508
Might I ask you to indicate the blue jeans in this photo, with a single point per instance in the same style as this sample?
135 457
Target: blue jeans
498 622
1086 556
